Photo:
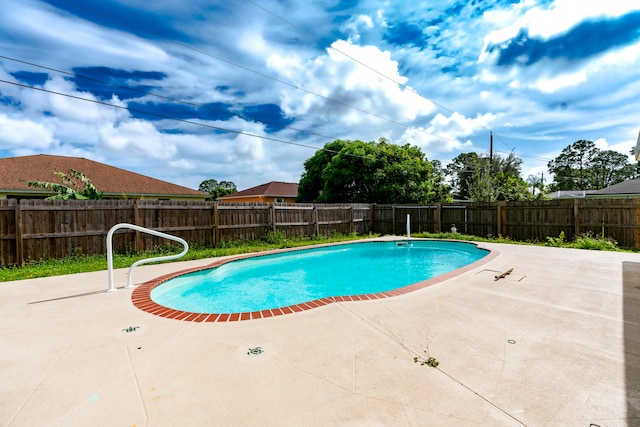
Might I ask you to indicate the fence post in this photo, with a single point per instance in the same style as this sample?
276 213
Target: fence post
466 219
19 245
501 226
393 219
273 218
352 225
136 220
216 229
576 217
372 211
437 218
315 220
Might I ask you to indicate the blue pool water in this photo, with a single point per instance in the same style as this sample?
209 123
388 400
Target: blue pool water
279 280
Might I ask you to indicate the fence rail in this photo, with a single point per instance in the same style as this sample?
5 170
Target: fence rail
43 229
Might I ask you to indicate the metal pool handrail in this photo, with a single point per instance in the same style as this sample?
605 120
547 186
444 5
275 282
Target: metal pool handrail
113 229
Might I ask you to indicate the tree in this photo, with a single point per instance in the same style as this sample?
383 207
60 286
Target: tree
536 183
217 189
482 179
75 186
610 167
371 172
572 167
510 187
461 172
311 186
582 166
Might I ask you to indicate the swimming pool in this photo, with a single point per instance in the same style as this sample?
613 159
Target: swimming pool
266 285
279 283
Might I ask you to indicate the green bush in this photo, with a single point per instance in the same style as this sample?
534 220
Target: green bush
273 238
595 242
557 242
584 241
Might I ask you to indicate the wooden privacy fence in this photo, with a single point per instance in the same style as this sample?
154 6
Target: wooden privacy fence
43 229
248 221
52 229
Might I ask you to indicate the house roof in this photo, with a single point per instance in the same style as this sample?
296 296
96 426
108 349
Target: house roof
108 180
630 186
270 189
570 194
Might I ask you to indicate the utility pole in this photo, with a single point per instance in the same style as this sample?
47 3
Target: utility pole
491 147
490 151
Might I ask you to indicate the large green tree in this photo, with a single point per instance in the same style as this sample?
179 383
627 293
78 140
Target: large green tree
483 179
371 172
217 189
610 167
311 184
582 166
75 186
571 169
460 172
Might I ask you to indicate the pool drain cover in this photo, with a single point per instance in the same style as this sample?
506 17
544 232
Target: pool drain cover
255 350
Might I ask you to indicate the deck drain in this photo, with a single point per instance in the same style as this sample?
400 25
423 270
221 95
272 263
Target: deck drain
256 350
511 341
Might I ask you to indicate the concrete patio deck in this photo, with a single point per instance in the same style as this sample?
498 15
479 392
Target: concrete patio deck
555 343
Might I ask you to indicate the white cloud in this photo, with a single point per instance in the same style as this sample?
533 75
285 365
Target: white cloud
354 24
344 79
84 110
183 164
75 40
249 149
24 133
447 134
560 17
552 84
431 144
137 138
624 147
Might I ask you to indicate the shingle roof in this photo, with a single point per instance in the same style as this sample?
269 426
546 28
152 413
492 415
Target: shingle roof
108 179
630 186
271 189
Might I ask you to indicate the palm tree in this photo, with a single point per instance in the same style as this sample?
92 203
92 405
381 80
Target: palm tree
536 182
72 182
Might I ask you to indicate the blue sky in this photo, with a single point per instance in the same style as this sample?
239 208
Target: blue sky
245 91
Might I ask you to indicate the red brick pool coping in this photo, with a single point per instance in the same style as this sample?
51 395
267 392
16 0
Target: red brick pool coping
141 296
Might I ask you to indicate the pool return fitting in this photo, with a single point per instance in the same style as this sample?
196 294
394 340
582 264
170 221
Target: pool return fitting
113 229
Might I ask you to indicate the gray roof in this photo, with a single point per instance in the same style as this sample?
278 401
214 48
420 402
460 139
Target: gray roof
570 194
630 186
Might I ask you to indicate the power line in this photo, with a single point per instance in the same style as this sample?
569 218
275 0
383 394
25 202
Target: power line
191 104
277 80
402 85
163 116
262 75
